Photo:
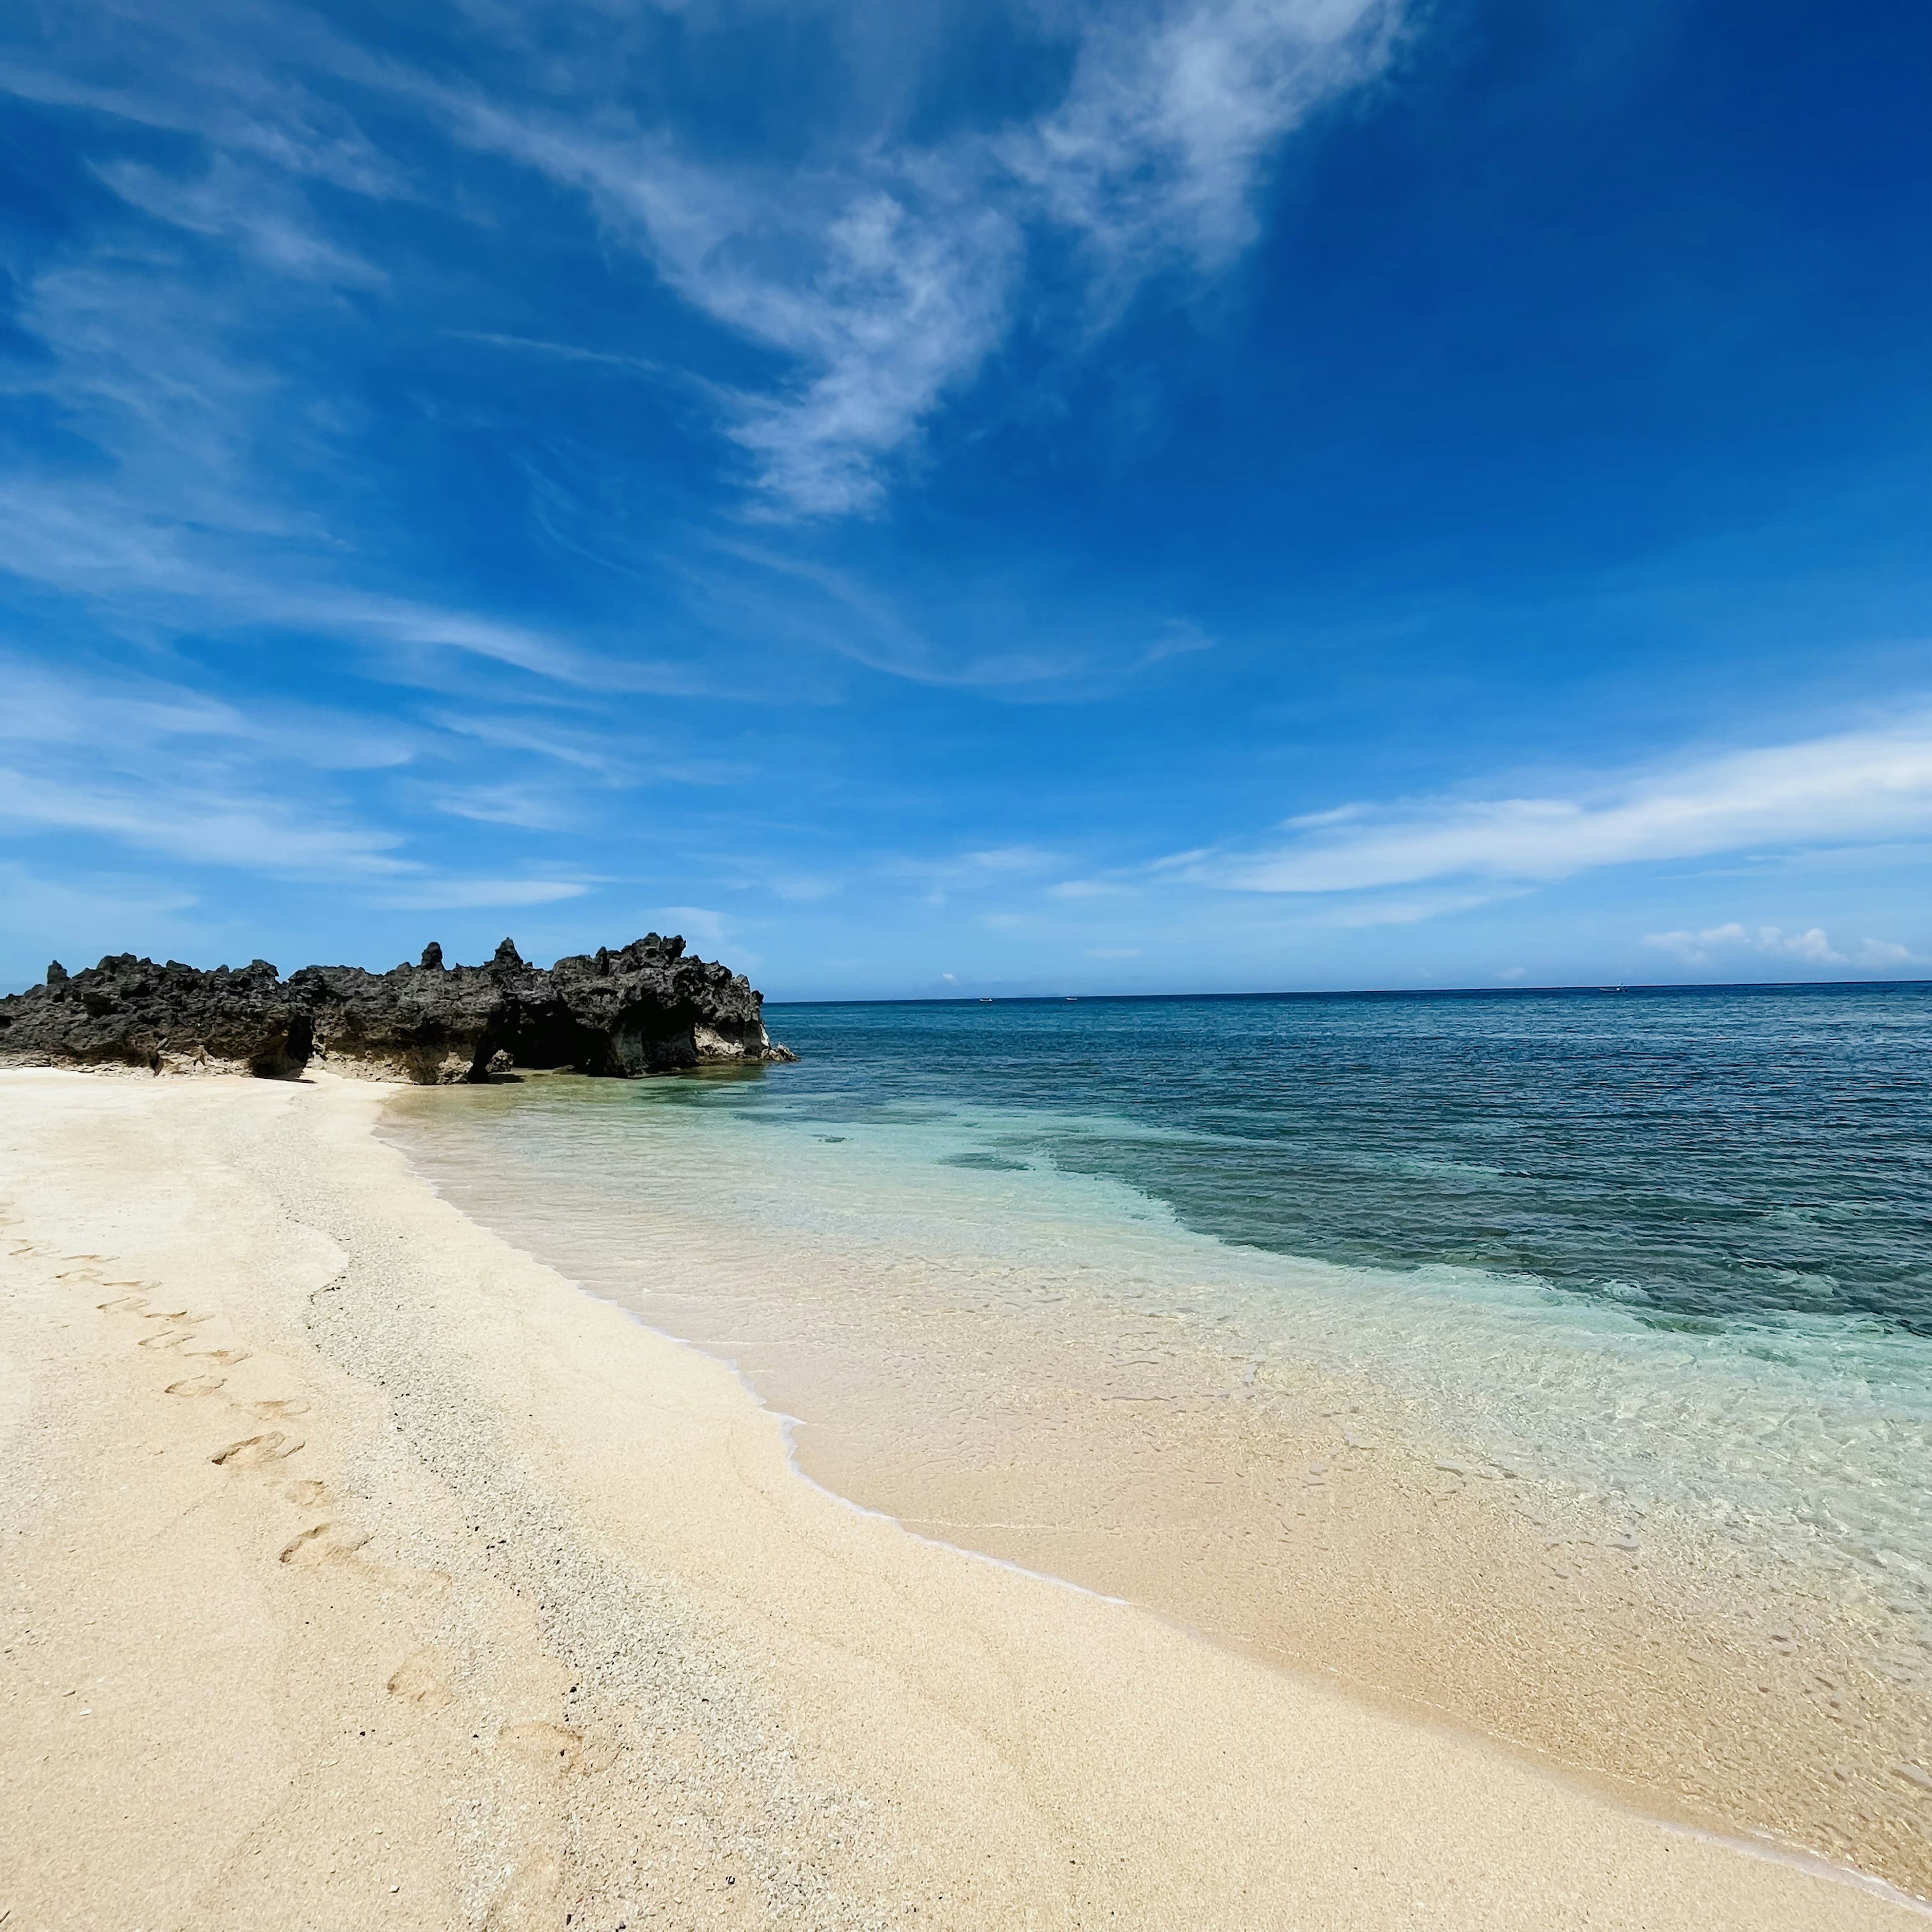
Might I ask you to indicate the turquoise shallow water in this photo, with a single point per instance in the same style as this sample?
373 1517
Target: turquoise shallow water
1701 1157
1601 1323
1674 1249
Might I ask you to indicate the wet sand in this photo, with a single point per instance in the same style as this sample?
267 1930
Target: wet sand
361 1570
1310 1521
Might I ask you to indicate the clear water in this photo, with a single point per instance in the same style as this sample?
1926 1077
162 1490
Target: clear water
1702 1157
1673 1246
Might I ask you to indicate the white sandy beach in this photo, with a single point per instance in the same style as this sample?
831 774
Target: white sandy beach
361 1571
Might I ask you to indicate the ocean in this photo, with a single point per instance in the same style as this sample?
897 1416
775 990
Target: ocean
1663 1256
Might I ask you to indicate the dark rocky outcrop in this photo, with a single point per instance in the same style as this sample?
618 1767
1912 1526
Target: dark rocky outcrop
430 1023
647 1009
131 1014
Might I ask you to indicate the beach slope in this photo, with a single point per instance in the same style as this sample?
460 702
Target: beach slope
362 1570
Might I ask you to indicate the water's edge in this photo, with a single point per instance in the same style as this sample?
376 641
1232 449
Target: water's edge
1655 1804
1555 1367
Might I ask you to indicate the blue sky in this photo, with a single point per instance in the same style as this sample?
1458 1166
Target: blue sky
1201 494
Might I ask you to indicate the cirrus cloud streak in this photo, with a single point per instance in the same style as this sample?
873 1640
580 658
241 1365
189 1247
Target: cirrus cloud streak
1852 787
885 274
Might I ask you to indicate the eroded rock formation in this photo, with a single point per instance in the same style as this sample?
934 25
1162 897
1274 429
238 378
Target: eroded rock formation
429 1023
647 1009
131 1015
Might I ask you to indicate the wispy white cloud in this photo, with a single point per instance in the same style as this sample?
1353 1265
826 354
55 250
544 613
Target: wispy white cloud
575 746
214 823
127 717
258 211
1696 949
884 281
1813 947
1355 913
143 766
885 273
530 808
1156 151
199 71
1006 859
457 895
102 545
195 527
993 865
876 274
759 589
208 504
1849 787
563 351
1887 952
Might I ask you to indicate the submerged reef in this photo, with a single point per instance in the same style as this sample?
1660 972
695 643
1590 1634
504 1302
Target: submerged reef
645 1009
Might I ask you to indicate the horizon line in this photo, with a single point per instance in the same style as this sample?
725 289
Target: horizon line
1363 993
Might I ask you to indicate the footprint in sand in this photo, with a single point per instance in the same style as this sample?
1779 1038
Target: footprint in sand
227 1357
195 1385
123 1304
276 1407
552 1748
325 1543
332 1543
418 1680
171 1338
252 1452
528 1896
308 1492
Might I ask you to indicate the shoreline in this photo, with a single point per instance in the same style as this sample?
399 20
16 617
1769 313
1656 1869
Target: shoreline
1640 1801
1304 1515
500 1606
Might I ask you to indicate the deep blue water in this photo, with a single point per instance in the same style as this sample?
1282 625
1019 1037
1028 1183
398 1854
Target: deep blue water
1701 1157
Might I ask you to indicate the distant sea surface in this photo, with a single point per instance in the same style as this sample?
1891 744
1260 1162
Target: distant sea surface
1674 1245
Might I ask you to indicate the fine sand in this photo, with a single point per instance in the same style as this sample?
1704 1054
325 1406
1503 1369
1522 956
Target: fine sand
362 1572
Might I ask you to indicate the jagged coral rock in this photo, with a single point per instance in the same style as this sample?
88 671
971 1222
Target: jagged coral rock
130 1014
429 1023
647 1008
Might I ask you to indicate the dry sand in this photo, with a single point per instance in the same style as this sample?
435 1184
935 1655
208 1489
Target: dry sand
361 1572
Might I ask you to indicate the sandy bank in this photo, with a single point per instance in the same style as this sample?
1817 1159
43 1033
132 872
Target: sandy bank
361 1571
